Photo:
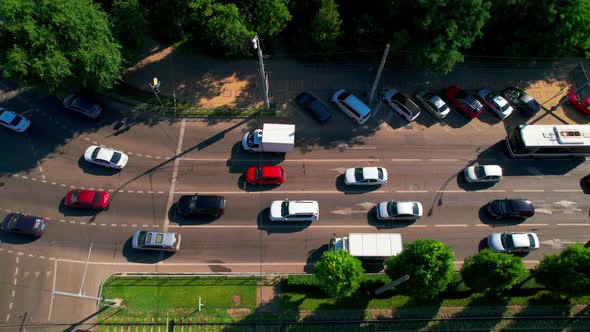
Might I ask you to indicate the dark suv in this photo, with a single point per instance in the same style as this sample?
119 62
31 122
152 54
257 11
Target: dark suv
24 224
201 205
511 208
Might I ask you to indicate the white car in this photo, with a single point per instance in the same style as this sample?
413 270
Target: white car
401 104
146 240
107 157
433 103
13 121
399 210
352 106
294 210
483 173
513 242
495 102
360 176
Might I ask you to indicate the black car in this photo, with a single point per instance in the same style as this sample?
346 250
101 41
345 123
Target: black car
201 205
24 224
313 106
82 105
519 99
511 208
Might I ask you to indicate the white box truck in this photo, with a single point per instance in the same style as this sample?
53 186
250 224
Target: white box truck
369 245
272 137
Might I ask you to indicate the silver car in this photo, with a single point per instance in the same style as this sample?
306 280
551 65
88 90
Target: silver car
513 242
146 240
399 210
433 103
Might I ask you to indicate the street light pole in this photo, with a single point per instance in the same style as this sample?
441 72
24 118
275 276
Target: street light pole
156 88
378 76
256 45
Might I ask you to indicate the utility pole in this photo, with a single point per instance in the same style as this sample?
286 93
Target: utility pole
378 76
256 45
156 88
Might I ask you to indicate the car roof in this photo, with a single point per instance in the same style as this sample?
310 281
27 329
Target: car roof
85 195
499 100
405 207
521 204
105 153
24 222
521 240
271 171
370 173
357 104
83 103
209 201
303 207
6 115
160 238
493 170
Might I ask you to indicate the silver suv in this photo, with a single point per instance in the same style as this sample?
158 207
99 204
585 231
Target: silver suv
146 240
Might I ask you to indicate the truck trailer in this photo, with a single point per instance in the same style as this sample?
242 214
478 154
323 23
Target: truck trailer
369 245
273 137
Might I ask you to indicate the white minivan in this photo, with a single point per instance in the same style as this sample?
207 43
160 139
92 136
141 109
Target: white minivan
146 240
352 106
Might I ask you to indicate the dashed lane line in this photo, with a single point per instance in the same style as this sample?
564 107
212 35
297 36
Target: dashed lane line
174 173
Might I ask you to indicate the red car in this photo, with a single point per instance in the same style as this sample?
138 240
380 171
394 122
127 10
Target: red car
87 199
265 175
580 105
463 102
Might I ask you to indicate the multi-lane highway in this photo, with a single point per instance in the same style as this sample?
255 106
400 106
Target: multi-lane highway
172 157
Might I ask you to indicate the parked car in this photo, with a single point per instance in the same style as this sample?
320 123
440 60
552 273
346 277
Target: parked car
399 210
433 103
463 102
352 106
401 104
365 176
495 103
13 121
578 104
105 156
483 173
75 102
87 199
511 208
161 241
201 205
314 107
519 99
24 224
265 175
513 242
294 210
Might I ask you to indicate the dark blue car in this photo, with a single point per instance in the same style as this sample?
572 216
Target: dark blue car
313 106
519 99
24 224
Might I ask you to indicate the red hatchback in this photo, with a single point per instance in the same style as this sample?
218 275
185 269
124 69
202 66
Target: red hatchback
463 102
579 104
87 199
265 175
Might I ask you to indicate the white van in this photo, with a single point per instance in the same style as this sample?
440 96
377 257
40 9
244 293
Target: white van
352 106
146 240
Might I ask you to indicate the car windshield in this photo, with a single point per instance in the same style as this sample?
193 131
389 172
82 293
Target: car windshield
380 173
258 172
505 107
398 97
141 238
285 208
443 108
415 209
96 198
17 119
116 157
358 174
428 96
192 204
75 195
392 208
95 153
507 241
12 222
504 206
461 94
532 240
480 171
343 95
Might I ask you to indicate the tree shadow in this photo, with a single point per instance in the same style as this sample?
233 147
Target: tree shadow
89 168
144 256
179 219
314 256
265 224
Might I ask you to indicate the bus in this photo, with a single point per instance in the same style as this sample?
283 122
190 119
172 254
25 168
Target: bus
549 141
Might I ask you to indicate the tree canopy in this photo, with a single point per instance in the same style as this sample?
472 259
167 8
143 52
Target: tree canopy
429 264
567 272
55 44
129 26
492 271
338 273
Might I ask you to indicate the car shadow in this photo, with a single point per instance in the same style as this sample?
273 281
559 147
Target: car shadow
455 119
144 256
242 184
175 217
373 266
386 224
489 220
585 184
265 224
353 190
240 160
467 186
89 168
73 212
314 256
483 244
427 119
13 238
488 117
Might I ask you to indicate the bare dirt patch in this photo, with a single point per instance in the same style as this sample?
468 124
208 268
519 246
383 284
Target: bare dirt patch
238 313
236 300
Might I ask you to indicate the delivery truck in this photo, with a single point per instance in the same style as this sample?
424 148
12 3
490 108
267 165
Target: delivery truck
370 246
273 137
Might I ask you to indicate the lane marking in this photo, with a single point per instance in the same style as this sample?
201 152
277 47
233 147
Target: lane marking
573 224
409 160
411 191
284 161
442 159
567 190
525 225
529 190
174 173
452 225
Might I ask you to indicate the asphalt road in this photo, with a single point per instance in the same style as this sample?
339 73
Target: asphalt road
171 157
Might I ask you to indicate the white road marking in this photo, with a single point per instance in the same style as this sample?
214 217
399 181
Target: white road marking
444 159
532 225
174 173
567 190
451 191
529 190
411 191
407 160
573 224
452 225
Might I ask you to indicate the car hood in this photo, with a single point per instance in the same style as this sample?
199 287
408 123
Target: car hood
474 103
494 207
470 173
382 208
275 210
495 242
349 175
183 203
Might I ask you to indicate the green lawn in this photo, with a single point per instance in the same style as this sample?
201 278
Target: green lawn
154 297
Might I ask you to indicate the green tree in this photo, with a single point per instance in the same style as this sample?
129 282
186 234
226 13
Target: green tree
432 33
493 271
168 20
270 17
324 29
567 272
338 273
429 264
129 26
54 44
